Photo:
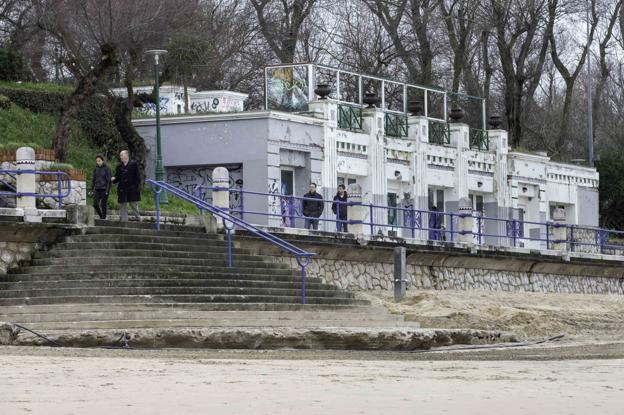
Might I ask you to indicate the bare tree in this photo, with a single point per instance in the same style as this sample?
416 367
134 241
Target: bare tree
281 23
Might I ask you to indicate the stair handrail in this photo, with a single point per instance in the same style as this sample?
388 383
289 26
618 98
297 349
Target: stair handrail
230 221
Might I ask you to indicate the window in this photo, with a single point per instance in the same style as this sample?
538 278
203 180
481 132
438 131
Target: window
288 182
392 213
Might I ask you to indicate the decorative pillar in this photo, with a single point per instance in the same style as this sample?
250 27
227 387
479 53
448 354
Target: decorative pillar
221 191
559 230
26 183
460 139
502 187
466 222
373 123
355 210
400 272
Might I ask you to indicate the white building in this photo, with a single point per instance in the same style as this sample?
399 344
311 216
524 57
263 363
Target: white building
199 102
398 159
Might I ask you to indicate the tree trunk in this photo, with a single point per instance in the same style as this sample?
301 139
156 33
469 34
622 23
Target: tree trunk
85 89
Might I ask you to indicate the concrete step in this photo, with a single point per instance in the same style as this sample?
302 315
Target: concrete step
120 264
120 324
258 291
64 255
147 225
217 310
195 245
173 232
226 274
161 282
183 298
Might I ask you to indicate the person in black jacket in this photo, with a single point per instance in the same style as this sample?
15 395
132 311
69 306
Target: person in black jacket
339 207
101 185
312 209
129 186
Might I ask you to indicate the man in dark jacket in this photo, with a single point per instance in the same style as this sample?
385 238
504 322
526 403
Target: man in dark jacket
101 186
129 186
339 207
312 209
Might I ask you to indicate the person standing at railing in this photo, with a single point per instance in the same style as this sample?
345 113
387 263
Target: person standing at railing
339 207
435 224
101 186
312 209
129 184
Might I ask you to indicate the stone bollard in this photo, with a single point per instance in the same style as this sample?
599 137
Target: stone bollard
355 210
400 272
221 191
466 222
26 183
559 230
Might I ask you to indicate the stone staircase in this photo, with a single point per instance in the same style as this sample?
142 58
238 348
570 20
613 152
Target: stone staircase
125 276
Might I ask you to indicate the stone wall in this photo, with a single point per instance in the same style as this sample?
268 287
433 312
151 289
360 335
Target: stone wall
351 266
18 241
354 275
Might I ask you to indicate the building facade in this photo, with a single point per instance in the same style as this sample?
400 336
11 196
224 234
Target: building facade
399 160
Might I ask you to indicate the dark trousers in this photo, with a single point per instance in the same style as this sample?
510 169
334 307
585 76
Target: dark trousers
341 225
100 200
311 222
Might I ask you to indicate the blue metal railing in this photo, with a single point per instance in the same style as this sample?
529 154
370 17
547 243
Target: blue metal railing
230 221
429 224
63 181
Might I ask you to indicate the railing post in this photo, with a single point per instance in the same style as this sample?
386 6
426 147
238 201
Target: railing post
242 205
547 236
466 222
157 203
571 236
452 226
372 228
514 231
480 233
355 209
291 210
413 224
25 184
59 190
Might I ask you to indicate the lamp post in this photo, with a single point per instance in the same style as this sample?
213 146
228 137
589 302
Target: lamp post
160 171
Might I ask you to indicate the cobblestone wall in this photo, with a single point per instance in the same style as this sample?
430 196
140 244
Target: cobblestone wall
376 275
11 253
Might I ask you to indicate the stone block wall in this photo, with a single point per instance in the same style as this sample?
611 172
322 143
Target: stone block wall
356 275
355 267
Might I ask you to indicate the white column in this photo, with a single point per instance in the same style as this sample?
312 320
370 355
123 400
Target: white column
459 139
355 212
27 183
221 193
373 123
418 132
328 111
466 222
502 188
559 232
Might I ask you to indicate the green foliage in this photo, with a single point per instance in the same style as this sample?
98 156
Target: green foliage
5 102
39 101
12 67
37 86
611 169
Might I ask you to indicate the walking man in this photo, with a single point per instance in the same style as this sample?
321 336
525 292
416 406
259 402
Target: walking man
129 186
101 185
312 207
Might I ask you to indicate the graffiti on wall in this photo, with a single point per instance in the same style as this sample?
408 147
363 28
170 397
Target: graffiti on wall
205 106
189 178
150 107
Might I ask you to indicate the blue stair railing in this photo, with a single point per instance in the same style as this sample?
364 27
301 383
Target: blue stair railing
229 223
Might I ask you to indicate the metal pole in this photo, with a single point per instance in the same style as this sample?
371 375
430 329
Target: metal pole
590 128
160 171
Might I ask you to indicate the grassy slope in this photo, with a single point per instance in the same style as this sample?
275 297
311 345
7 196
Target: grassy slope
21 126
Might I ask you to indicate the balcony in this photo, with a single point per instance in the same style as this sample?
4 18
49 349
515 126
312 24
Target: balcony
479 139
395 125
439 133
349 117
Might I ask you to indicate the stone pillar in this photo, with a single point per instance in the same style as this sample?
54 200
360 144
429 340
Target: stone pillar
26 183
221 191
466 222
418 131
373 123
502 187
459 139
355 210
400 273
328 111
559 230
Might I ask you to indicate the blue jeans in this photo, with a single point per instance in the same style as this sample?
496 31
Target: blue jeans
313 222
341 225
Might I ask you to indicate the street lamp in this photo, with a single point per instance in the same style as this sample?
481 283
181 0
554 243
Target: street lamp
160 171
